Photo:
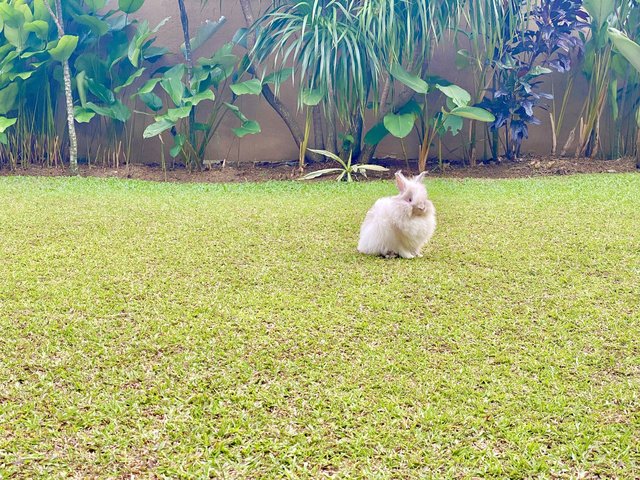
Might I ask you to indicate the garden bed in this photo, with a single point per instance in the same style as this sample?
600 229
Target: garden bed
524 168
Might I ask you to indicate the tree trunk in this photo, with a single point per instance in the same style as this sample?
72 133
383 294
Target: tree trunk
71 118
245 5
280 108
318 134
330 129
358 123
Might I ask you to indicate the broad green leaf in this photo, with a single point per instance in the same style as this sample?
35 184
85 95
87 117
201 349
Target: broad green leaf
152 54
376 134
132 78
4 50
40 11
64 48
451 123
83 115
411 107
39 27
409 79
155 129
11 56
81 85
11 16
95 5
26 55
236 111
249 127
21 75
399 125
17 37
175 114
151 100
118 111
312 98
473 113
130 6
178 140
223 58
141 41
458 95
627 47
200 97
4 140
600 10
93 65
8 97
98 27
149 86
172 83
100 91
250 87
204 33
5 123
134 51
619 64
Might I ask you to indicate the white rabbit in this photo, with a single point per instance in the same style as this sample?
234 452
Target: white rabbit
399 225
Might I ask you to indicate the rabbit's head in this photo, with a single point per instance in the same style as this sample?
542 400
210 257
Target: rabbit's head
413 192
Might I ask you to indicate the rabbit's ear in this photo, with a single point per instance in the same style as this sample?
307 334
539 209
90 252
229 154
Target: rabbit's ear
401 181
420 178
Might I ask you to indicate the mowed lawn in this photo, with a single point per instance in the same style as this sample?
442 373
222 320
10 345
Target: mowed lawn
233 332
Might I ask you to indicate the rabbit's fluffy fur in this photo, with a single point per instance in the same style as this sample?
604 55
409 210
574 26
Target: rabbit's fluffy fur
399 225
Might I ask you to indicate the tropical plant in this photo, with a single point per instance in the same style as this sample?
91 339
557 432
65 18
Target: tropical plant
630 50
605 71
449 119
104 76
208 80
247 39
489 27
349 56
347 171
30 54
527 56
624 99
76 59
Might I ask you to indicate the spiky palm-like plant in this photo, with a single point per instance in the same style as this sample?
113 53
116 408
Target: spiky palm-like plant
344 52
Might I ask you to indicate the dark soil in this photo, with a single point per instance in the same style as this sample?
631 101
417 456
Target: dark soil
523 168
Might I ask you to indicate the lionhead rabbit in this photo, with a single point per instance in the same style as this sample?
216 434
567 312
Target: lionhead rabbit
399 225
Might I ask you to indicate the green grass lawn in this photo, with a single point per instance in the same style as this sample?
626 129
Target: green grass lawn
233 331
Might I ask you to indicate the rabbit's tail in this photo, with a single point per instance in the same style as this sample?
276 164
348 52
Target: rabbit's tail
374 238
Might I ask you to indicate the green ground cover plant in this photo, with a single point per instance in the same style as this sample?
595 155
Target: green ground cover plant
232 331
